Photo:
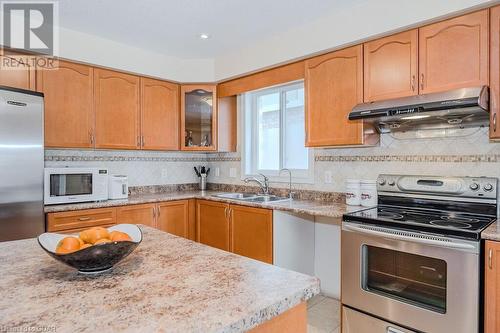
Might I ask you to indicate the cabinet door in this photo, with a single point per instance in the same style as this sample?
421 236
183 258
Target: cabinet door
69 105
81 219
391 67
173 217
212 224
116 110
252 232
492 288
137 214
495 73
15 72
334 85
199 117
159 115
454 53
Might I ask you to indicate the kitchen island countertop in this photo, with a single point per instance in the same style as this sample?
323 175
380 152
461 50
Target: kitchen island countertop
169 284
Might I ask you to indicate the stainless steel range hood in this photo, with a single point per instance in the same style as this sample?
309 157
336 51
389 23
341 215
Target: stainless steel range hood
460 108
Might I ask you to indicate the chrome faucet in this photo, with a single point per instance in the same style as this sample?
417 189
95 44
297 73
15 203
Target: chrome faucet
264 184
290 193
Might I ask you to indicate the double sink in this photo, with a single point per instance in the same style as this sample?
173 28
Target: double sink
251 197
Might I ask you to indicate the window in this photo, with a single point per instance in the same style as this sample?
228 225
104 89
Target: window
274 133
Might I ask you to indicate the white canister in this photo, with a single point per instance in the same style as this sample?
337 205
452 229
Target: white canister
352 192
368 193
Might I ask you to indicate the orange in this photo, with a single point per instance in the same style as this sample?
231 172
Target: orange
92 235
118 236
84 246
68 245
102 241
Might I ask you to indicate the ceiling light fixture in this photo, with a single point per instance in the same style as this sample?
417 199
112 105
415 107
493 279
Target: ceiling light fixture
204 36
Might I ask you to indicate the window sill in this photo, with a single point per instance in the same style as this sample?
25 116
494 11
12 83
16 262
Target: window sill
283 179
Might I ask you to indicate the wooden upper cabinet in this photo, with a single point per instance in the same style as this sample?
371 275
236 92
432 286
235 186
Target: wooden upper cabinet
199 117
212 224
390 69
137 214
454 53
492 288
495 73
159 115
116 110
15 72
69 105
227 124
334 85
252 232
173 217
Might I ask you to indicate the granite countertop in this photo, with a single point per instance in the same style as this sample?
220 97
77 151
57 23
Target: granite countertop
492 232
310 207
169 284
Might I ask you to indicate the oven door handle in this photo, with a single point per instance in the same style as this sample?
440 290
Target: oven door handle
407 236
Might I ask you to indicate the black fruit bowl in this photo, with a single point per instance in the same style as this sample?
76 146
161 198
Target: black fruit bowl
96 258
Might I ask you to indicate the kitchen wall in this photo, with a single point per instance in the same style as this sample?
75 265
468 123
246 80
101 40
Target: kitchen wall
461 153
142 167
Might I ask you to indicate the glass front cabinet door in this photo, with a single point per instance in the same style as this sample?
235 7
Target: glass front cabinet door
198 117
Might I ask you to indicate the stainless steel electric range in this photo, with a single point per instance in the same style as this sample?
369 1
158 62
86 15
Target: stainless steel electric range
413 262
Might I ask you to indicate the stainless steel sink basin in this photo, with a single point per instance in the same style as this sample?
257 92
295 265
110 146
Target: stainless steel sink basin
236 196
250 197
267 198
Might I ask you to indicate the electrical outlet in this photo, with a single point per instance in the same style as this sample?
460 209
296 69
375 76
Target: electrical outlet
164 174
232 172
217 172
328 177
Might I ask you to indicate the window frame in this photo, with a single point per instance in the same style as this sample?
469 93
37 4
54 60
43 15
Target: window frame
249 134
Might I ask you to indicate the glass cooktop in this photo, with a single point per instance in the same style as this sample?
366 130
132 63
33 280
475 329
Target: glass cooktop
434 221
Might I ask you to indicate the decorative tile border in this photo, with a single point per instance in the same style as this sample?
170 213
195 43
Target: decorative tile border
76 158
412 158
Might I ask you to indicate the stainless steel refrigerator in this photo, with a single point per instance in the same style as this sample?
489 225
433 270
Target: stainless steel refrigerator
21 164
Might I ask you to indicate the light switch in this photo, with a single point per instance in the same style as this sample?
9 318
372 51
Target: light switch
217 172
164 174
328 177
232 172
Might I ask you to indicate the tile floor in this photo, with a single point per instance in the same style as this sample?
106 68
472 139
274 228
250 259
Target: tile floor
323 315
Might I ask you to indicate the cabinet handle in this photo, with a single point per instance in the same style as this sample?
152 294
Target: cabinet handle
158 212
413 78
494 122
91 136
422 81
225 213
490 258
154 213
143 142
86 218
393 330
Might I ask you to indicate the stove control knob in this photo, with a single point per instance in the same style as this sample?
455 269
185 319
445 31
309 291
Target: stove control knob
381 181
474 186
391 183
488 187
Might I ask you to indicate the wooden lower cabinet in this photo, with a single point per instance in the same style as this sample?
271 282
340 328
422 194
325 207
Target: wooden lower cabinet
252 232
80 219
137 214
492 287
173 217
246 231
212 224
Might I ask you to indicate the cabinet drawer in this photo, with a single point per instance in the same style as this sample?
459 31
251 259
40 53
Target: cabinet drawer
81 219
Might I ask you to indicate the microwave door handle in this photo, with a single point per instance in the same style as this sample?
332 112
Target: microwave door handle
426 241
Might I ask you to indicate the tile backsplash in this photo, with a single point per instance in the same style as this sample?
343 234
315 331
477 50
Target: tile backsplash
142 167
464 153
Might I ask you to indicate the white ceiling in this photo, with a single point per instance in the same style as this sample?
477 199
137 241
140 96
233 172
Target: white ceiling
172 27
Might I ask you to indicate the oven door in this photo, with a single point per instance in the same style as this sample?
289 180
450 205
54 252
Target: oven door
68 185
427 283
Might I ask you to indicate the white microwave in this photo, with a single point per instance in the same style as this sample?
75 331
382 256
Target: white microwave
70 185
